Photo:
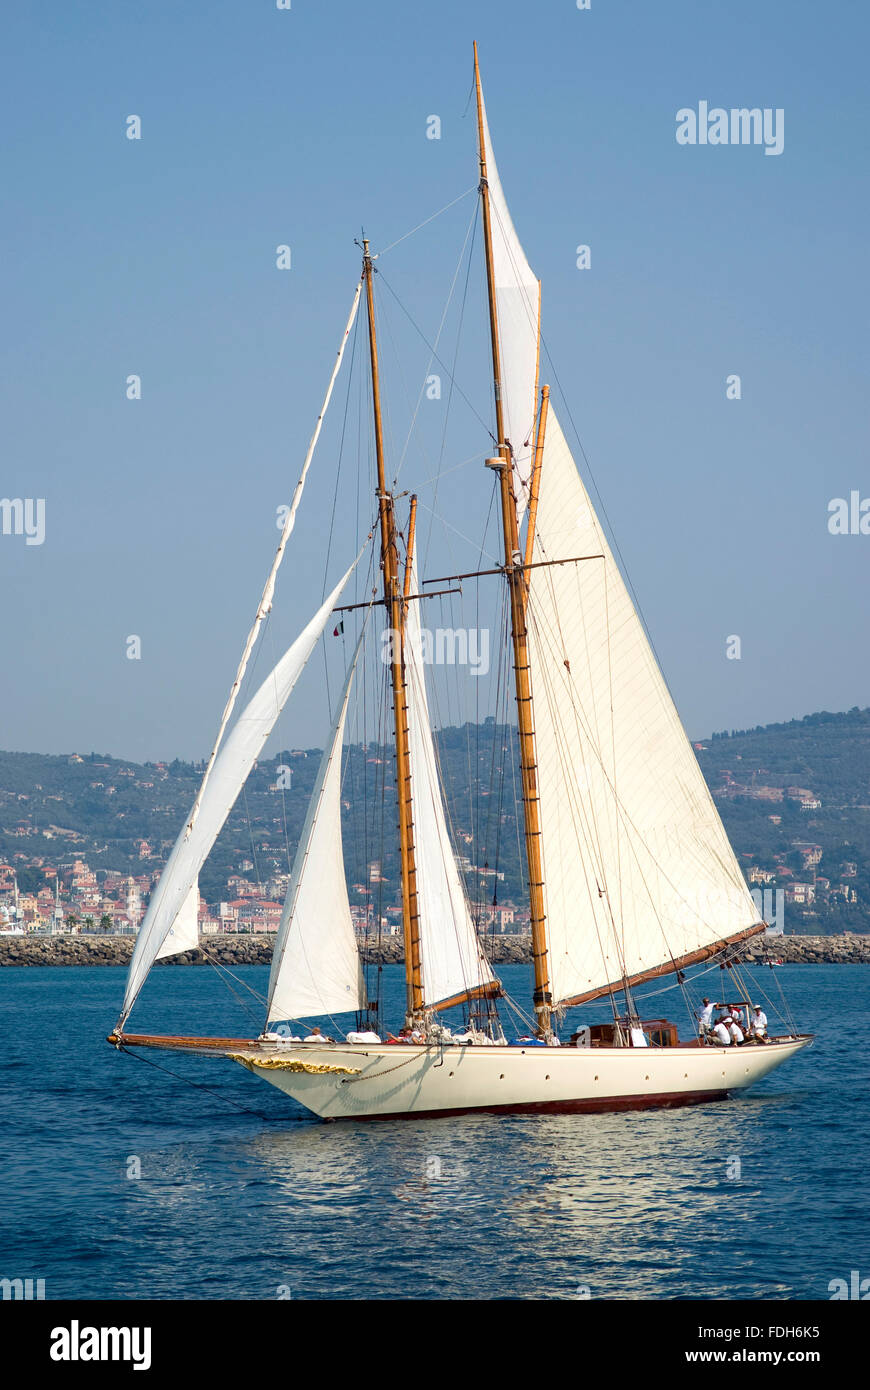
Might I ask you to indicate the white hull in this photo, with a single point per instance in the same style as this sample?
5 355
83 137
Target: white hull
368 1082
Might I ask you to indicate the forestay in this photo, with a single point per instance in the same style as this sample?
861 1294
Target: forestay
230 769
451 959
638 872
315 965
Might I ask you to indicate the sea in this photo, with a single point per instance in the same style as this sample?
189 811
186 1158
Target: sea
187 1178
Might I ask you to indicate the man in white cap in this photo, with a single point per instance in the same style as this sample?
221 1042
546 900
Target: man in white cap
758 1024
735 1030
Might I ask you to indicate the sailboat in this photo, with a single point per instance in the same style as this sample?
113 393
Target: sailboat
630 873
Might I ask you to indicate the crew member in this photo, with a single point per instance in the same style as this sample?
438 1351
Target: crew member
758 1023
705 1017
316 1036
735 1030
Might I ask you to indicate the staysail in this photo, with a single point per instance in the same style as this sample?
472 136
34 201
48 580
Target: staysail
230 769
315 965
639 876
453 965
518 305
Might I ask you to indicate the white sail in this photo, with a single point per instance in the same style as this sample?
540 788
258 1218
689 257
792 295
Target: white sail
451 959
183 935
231 768
638 871
518 306
315 965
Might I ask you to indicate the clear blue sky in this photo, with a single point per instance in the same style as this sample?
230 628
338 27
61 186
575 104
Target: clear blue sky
262 127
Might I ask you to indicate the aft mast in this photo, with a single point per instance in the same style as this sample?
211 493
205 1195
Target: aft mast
393 602
513 568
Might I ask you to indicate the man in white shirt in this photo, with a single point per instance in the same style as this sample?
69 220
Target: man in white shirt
316 1036
758 1023
705 1017
721 1035
735 1030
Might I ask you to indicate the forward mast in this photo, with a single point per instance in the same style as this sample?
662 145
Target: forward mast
394 600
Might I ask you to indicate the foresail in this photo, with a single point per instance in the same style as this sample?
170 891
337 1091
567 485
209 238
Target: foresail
316 967
638 871
518 308
453 965
183 935
231 768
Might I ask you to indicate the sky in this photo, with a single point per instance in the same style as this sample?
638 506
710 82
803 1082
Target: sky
263 127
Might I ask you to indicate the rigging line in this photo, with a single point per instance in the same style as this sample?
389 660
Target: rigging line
385 314
434 794
535 325
586 840
532 320
543 342
461 534
472 224
496 775
509 744
197 1085
269 588
250 826
344 419
419 330
279 774
341 443
290 904
444 473
626 819
520 1012
424 223
376 1076
452 379
243 1003
604 513
219 966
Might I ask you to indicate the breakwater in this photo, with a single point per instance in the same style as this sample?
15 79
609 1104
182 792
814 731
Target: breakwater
847 949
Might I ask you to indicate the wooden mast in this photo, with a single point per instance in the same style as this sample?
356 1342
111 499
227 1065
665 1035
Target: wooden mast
393 602
513 568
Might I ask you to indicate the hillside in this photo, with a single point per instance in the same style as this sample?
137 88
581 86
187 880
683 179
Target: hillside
795 800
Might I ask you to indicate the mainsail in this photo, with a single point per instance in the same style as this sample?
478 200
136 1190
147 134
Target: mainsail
639 875
230 769
453 965
315 964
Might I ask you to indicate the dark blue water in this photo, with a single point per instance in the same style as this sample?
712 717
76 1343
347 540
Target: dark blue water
239 1205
